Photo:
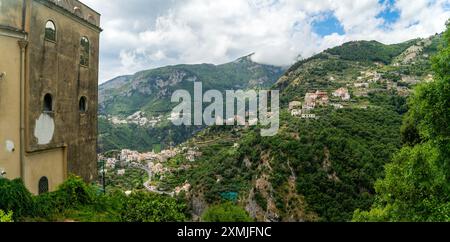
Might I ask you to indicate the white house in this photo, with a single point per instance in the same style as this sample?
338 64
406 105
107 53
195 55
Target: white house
342 93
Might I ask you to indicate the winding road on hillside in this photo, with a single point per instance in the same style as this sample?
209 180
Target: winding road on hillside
147 185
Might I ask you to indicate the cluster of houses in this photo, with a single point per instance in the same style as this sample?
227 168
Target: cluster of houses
317 99
137 118
128 156
362 87
163 156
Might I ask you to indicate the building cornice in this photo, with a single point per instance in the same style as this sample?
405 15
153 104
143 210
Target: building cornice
12 32
67 13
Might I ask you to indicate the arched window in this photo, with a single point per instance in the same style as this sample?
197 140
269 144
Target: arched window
48 103
84 51
43 185
83 104
50 31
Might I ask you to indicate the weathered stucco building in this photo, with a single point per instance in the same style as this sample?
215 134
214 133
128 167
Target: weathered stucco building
48 91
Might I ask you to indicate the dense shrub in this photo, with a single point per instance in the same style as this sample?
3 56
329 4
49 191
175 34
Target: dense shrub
149 207
74 192
15 197
76 200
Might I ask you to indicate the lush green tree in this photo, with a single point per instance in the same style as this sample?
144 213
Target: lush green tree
417 183
226 212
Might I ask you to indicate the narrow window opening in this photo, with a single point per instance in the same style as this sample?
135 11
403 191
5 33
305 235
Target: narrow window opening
48 103
83 104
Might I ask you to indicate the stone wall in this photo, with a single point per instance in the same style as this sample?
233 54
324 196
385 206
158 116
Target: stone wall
54 69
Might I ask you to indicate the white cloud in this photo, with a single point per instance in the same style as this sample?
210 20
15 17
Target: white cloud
142 34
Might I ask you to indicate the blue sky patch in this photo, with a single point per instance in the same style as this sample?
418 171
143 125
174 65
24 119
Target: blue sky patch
447 6
390 14
327 24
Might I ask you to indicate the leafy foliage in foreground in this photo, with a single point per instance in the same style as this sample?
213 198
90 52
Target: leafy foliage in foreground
15 197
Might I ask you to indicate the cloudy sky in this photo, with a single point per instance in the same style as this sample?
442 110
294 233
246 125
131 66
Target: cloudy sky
144 34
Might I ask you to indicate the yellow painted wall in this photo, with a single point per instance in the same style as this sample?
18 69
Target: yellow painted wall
11 13
10 105
47 163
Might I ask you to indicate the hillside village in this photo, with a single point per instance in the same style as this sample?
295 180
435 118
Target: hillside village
342 97
155 165
379 78
139 118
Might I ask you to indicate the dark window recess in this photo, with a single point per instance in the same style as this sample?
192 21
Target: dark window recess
43 185
48 103
83 104
84 51
50 31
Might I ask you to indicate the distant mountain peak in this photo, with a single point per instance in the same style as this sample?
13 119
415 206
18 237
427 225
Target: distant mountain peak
246 58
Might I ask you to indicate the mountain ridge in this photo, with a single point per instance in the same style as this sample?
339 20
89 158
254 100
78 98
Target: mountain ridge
241 73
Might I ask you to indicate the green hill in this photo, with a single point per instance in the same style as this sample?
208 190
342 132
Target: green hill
315 169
